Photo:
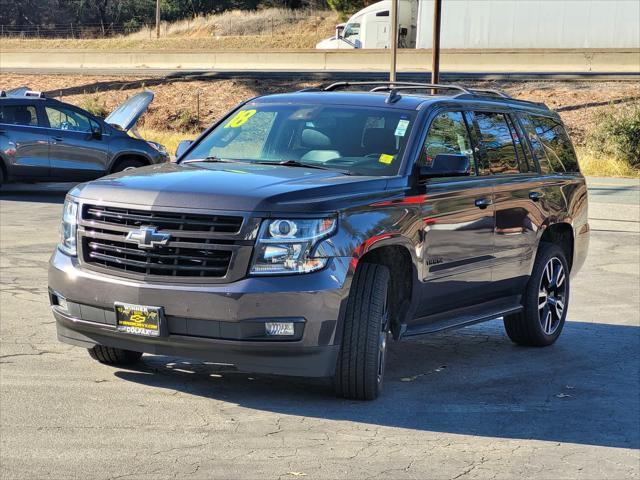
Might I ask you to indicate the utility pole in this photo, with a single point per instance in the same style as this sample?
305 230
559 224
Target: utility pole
157 18
435 47
394 39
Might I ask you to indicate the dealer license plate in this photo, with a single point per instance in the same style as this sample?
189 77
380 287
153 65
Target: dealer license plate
139 319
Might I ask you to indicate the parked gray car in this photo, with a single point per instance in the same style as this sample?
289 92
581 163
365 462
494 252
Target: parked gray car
42 139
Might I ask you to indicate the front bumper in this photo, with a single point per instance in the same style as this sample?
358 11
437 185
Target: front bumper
207 322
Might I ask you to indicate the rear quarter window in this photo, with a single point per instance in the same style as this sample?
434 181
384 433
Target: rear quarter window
551 144
19 115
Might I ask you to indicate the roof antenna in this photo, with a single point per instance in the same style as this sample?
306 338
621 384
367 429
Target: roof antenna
393 97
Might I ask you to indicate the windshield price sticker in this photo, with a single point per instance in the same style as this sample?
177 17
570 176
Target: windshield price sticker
401 129
240 118
386 159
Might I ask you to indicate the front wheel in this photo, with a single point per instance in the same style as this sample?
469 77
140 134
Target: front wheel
114 356
361 361
545 300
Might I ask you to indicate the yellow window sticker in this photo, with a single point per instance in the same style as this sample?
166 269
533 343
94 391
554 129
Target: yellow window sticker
386 159
240 118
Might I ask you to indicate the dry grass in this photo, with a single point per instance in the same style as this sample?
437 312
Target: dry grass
602 166
170 139
579 103
264 29
245 23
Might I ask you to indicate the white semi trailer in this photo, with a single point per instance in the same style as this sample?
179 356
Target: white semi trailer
497 24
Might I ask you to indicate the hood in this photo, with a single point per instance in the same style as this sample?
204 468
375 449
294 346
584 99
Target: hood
127 114
17 92
234 187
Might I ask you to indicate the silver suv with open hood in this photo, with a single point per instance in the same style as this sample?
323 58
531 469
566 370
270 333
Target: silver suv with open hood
42 139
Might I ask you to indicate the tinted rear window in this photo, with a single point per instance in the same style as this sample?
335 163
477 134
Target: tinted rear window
551 144
497 140
18 115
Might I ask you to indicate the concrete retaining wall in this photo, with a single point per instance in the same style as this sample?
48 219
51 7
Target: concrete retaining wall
556 61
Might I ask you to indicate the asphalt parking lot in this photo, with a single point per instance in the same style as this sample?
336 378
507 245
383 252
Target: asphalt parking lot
465 404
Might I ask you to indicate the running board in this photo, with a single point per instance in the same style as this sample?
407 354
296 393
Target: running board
462 317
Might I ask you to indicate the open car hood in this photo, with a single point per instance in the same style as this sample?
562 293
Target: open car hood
17 92
127 114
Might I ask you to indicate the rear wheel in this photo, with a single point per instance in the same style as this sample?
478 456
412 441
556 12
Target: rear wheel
1 175
114 356
545 300
128 164
361 361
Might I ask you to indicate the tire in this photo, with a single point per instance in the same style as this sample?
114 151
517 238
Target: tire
128 164
1 175
545 300
360 368
114 356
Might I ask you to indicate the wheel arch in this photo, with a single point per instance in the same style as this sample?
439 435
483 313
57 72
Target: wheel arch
122 156
400 261
560 234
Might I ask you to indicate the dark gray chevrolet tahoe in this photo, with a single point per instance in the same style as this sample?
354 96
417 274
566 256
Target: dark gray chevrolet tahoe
303 230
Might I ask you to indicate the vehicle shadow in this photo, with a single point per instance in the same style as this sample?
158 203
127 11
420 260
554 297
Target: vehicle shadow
585 389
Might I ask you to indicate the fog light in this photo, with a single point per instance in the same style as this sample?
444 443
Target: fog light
62 303
279 328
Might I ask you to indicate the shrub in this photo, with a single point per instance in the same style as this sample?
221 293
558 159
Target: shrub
617 134
184 120
94 106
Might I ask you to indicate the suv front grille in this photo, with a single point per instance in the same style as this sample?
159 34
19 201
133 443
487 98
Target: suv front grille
166 220
201 246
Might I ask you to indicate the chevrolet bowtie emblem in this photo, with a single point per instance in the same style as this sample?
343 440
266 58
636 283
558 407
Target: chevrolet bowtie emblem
148 237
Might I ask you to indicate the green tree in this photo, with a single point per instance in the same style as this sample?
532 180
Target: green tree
346 7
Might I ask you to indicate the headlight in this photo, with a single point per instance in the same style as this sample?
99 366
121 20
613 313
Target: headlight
160 148
68 228
285 245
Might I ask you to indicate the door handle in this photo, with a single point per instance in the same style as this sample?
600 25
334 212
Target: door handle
535 196
483 203
57 139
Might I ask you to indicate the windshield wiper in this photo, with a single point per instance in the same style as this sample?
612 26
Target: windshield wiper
211 160
296 163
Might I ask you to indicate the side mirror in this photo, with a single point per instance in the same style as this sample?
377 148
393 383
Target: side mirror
446 165
182 147
96 133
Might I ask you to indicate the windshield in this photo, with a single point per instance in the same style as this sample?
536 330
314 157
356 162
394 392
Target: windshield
357 140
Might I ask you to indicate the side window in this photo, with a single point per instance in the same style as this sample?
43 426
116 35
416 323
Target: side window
536 144
497 140
352 32
67 119
560 156
448 134
19 115
524 156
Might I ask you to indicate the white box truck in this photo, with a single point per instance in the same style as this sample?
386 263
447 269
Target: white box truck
496 24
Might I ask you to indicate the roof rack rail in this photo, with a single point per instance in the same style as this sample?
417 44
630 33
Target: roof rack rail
421 86
497 93
388 85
